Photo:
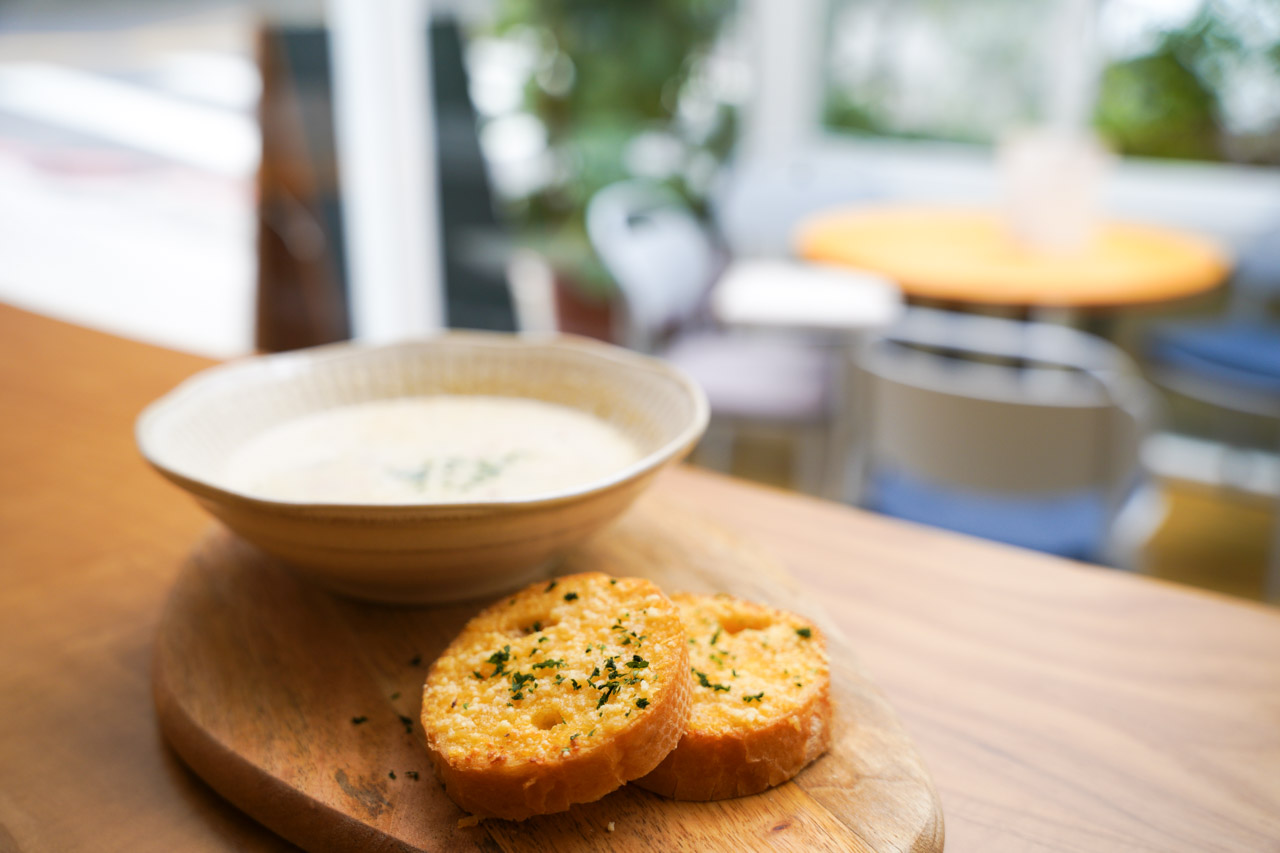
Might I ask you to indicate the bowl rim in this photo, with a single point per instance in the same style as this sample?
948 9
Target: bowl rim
281 366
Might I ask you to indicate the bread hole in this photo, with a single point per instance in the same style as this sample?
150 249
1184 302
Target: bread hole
547 718
746 622
526 625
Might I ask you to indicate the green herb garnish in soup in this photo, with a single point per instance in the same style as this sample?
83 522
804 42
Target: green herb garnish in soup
439 449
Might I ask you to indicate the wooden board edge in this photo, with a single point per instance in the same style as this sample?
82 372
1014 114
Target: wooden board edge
249 788
261 796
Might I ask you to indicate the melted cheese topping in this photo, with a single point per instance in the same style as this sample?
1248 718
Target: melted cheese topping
552 671
441 449
749 663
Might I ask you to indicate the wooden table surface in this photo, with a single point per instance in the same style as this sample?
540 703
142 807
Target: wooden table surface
958 255
1060 708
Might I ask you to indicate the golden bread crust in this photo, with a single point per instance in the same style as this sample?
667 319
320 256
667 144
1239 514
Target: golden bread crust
557 695
761 701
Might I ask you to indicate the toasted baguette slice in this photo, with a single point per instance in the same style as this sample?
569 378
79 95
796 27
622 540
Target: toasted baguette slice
558 695
761 701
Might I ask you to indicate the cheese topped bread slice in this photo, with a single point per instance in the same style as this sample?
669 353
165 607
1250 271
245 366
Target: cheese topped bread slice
761 700
557 695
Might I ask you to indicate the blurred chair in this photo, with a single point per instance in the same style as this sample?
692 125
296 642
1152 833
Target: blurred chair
757 203
1024 433
1232 363
776 379
659 254
821 300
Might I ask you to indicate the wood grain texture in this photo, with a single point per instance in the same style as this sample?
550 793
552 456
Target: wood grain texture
90 540
258 677
1060 709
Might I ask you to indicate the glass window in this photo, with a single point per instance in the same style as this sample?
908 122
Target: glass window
1195 79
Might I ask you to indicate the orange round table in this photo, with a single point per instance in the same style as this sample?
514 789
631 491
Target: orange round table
968 256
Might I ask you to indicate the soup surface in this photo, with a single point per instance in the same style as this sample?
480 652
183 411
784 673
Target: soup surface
439 449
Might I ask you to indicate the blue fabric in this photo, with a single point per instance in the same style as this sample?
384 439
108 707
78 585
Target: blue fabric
1072 525
1242 354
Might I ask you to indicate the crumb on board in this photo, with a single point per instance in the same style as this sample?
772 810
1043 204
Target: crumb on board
610 826
469 821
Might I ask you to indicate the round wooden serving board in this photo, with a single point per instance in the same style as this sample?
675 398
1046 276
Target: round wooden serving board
301 708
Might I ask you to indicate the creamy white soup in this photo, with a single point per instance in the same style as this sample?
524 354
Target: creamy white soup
440 449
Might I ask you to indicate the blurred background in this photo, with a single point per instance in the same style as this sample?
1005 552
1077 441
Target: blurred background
776 196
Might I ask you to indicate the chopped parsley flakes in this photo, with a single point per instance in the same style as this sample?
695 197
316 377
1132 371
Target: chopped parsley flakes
499 660
706 682
606 693
519 681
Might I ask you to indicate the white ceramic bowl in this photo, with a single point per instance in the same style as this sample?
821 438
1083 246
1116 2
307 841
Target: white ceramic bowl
420 553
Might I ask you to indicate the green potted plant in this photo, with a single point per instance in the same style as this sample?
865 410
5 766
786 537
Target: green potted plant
622 90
